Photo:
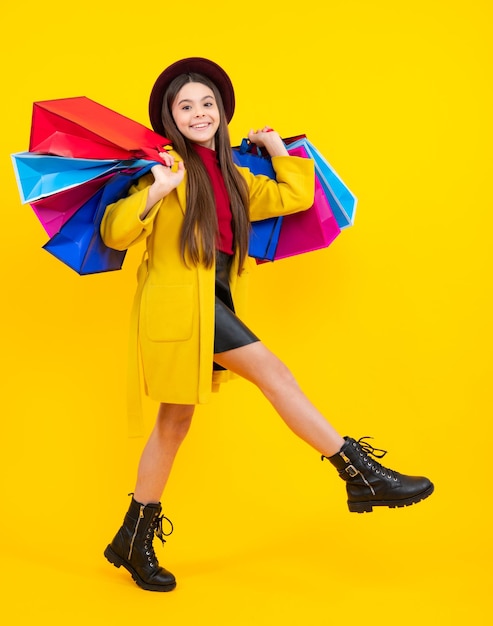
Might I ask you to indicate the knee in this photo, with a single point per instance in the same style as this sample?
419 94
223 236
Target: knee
279 377
175 419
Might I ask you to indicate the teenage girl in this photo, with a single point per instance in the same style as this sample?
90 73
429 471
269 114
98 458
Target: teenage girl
194 214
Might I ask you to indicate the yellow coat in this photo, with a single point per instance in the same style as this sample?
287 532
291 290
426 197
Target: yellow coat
173 313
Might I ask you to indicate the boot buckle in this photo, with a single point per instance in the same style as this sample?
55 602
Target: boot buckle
351 470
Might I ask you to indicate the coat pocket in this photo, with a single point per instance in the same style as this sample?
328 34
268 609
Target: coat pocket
169 312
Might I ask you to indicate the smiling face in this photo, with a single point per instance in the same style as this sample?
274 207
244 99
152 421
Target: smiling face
196 114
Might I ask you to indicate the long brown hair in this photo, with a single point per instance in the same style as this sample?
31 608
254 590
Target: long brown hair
200 229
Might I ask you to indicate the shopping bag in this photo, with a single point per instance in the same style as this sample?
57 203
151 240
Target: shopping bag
55 210
41 175
81 127
300 232
78 244
341 199
309 230
264 234
264 238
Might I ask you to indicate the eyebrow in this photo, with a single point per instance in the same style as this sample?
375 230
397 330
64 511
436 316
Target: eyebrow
202 99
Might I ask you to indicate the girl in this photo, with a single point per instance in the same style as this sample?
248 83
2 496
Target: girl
194 213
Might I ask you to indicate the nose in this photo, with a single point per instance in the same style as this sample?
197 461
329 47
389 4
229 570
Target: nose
200 111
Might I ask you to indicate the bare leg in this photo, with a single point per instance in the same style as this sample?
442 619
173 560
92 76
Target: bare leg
172 425
260 366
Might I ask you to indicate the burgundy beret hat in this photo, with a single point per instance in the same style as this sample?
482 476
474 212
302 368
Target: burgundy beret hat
196 65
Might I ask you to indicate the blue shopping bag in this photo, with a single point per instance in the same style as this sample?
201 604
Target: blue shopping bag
264 235
264 238
42 175
78 244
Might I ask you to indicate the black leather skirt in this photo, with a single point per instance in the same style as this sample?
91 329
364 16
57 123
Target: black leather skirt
229 331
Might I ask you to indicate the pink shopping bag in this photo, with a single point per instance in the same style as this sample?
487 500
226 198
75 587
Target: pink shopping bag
308 230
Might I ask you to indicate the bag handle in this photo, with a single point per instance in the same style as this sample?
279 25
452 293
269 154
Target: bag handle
247 146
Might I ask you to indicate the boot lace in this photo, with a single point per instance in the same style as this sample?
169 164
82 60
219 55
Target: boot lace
156 528
368 451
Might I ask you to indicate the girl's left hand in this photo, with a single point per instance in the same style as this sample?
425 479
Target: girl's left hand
270 140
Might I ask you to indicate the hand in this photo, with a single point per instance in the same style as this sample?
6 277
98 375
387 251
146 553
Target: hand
166 177
258 136
270 140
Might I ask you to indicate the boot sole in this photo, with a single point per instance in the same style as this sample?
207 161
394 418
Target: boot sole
118 562
367 506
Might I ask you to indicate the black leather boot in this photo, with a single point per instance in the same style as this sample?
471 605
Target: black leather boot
369 484
132 547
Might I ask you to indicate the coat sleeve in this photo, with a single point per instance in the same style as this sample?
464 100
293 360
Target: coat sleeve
292 191
121 226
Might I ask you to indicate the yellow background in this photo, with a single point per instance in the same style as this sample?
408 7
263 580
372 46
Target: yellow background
388 330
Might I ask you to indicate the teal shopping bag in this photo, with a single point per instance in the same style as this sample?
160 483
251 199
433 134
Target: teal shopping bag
342 201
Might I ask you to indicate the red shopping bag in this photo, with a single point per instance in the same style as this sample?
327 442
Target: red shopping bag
82 128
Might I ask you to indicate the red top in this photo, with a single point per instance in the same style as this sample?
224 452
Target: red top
223 208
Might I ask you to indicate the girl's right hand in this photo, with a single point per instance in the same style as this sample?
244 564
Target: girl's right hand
165 180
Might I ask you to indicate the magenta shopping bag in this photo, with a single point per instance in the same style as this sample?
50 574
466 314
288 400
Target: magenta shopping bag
308 230
54 211
297 233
